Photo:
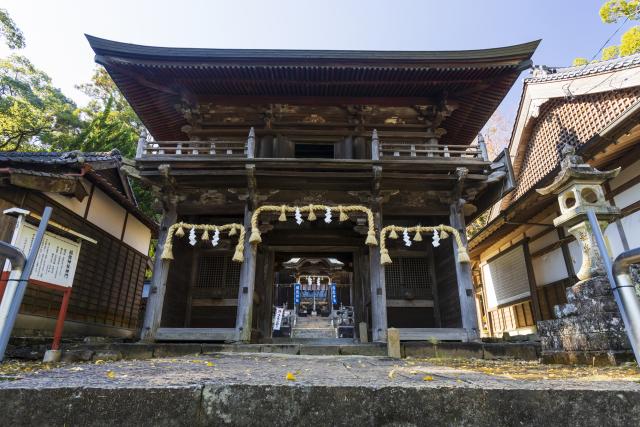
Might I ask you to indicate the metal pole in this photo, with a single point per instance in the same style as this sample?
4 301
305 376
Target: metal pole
621 285
15 300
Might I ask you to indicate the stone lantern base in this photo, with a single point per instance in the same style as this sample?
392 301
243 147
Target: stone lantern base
588 329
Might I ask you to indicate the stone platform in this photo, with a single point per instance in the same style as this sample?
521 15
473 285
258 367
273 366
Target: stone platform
279 390
79 352
588 329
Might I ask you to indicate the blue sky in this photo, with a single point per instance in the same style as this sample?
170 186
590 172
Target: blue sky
56 44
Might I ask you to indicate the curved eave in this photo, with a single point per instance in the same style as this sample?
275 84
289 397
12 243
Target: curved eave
105 47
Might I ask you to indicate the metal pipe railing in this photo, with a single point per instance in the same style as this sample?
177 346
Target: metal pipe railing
14 294
621 285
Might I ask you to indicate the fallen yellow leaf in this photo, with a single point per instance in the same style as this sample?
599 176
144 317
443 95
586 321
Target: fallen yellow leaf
111 374
210 364
290 376
427 378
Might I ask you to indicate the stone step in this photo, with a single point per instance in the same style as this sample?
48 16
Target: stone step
181 392
314 333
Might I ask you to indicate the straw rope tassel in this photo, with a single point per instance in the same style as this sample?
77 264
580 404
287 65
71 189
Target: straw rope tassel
343 215
312 215
238 255
167 250
445 231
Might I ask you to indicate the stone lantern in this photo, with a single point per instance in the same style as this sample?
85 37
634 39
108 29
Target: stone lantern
588 328
579 189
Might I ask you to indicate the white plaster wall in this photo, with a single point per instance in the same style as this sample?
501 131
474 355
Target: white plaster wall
625 175
545 240
549 267
71 203
137 235
613 241
106 213
631 225
628 196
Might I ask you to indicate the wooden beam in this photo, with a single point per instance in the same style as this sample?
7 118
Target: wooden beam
214 302
463 274
401 101
415 303
153 313
247 285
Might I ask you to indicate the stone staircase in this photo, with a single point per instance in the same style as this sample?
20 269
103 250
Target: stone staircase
313 327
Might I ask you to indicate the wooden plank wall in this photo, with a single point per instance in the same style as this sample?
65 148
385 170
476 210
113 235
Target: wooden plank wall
174 308
447 284
512 317
108 284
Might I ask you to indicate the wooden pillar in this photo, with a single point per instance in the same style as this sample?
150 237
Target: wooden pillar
533 287
378 291
153 313
463 274
247 284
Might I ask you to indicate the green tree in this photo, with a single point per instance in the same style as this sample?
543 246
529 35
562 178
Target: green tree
630 41
610 52
108 120
10 32
578 62
34 115
614 10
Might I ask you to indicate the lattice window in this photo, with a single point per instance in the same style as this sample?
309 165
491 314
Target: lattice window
409 277
217 276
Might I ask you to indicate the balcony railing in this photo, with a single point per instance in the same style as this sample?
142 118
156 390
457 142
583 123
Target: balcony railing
240 148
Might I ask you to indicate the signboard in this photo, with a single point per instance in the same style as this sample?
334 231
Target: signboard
334 294
296 294
57 258
277 322
320 293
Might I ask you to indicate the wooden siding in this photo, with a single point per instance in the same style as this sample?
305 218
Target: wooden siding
447 285
108 284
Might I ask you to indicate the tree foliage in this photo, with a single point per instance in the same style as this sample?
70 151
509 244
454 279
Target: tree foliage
10 32
630 41
578 62
614 10
33 113
108 121
610 52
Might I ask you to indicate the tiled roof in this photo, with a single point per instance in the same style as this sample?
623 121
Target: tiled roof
59 158
563 121
545 74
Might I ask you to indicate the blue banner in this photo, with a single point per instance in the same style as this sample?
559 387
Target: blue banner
296 294
334 294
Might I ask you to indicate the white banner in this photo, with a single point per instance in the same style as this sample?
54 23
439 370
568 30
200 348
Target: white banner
277 322
57 258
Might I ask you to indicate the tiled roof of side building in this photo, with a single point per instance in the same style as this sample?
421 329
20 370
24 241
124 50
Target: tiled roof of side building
545 74
62 158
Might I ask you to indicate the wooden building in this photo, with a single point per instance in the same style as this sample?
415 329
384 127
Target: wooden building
89 195
522 263
388 132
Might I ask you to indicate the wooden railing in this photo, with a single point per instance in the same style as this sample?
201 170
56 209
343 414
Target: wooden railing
240 148
217 148
394 149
